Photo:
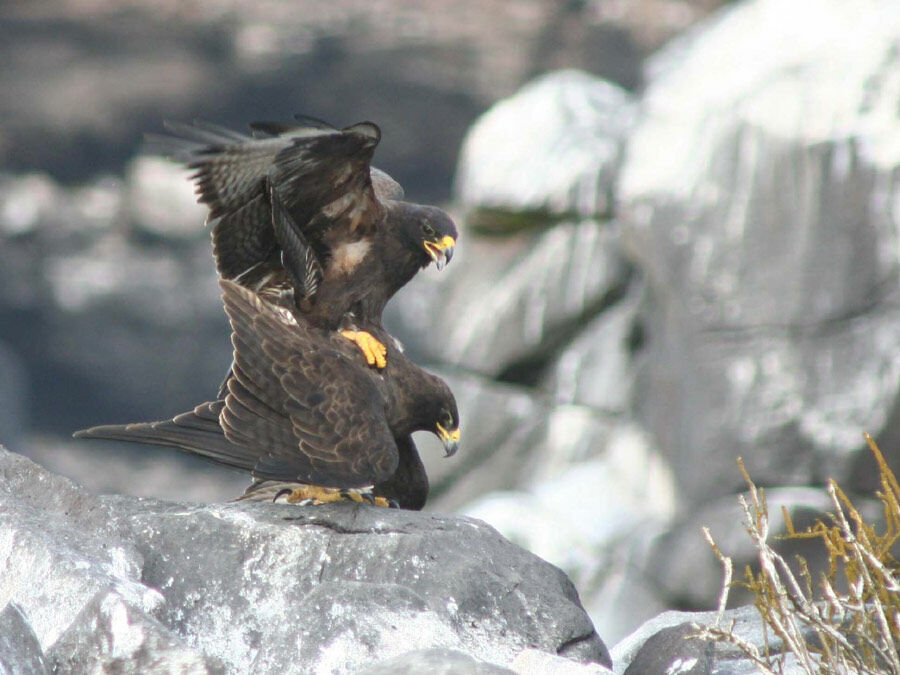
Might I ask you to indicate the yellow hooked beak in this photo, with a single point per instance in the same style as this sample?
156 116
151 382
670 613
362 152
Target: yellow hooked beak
441 251
450 440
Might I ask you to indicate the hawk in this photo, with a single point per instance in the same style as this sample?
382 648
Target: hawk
302 409
298 212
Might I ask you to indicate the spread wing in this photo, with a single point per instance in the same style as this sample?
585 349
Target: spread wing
321 174
315 415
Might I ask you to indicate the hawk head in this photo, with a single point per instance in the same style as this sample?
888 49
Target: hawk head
442 414
428 233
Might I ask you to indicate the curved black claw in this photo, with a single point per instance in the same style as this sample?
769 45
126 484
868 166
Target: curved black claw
368 497
393 504
282 493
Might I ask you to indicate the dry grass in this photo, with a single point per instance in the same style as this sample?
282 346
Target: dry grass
827 630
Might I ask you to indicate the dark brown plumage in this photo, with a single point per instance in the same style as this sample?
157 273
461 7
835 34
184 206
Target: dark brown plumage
302 407
298 212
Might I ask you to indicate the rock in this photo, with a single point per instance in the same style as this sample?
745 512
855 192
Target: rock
137 470
664 646
263 588
626 493
435 662
688 574
597 368
551 150
162 200
26 201
53 566
759 203
349 63
107 326
13 391
20 651
113 636
508 304
535 662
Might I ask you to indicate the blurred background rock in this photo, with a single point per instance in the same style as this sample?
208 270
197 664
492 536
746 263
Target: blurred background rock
679 246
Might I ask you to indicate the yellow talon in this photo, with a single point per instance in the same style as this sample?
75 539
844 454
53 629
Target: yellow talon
372 349
313 493
317 495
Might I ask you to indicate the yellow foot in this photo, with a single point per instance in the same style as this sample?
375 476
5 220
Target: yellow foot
374 351
315 495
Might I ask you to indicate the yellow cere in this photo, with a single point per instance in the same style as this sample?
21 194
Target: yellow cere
448 435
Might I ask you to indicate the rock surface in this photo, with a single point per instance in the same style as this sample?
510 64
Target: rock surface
426 69
567 128
761 204
526 294
20 651
262 588
665 646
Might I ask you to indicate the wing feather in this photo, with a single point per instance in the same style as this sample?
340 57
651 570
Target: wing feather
321 175
318 412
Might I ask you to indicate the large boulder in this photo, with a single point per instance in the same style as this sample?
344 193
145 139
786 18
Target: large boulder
551 150
539 257
263 588
759 195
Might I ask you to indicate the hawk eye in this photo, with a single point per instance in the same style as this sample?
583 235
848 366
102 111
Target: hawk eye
428 230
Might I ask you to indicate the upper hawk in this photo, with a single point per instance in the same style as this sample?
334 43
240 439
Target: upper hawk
298 213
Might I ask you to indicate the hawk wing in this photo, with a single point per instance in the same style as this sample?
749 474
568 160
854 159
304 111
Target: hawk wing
321 174
315 415
197 432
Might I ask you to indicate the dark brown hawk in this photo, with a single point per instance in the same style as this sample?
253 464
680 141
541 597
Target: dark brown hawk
301 407
298 212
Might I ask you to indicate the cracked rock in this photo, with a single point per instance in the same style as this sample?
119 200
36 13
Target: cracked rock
270 587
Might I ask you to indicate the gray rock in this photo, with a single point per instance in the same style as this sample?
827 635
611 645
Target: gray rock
625 496
263 588
553 148
27 201
507 304
20 651
597 368
137 470
498 424
688 574
107 326
111 635
545 158
759 203
55 552
535 662
231 63
161 198
664 645
435 662
13 391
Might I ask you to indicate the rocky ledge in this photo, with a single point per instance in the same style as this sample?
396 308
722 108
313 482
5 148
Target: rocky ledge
136 585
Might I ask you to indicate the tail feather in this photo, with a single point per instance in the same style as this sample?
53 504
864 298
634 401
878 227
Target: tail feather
196 432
